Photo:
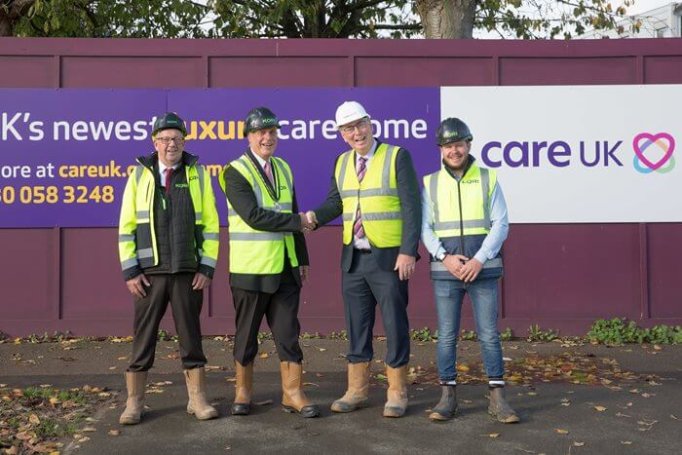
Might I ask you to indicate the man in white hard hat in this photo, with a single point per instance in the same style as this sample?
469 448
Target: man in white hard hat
374 187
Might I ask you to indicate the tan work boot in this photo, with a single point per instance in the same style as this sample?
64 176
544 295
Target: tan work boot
499 408
396 403
135 383
293 398
196 386
358 389
244 387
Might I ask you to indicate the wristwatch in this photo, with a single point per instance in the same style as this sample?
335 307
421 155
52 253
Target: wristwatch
441 256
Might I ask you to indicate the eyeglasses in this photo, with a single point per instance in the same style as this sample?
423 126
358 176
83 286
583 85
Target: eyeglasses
168 140
359 125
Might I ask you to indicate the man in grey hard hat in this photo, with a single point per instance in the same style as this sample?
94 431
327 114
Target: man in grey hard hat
168 246
268 261
464 225
375 188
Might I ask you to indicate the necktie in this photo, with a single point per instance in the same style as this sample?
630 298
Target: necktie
268 173
168 172
361 169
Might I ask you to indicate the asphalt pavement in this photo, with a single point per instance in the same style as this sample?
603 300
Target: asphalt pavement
632 407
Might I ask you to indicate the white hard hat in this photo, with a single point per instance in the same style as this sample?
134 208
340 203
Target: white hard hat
348 112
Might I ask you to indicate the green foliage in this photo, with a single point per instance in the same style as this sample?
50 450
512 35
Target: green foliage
342 335
47 338
526 19
262 336
541 19
468 335
506 334
310 336
423 334
162 335
620 330
535 333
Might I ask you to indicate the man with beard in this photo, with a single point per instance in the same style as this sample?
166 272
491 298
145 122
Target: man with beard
464 225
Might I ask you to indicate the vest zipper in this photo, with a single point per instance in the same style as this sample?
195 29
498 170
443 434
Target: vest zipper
461 220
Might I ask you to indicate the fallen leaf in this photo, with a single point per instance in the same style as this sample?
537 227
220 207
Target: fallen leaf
561 431
494 435
264 355
34 419
578 444
124 357
673 416
322 349
600 408
627 443
114 432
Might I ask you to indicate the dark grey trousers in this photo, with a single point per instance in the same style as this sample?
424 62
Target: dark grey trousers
363 286
281 312
186 307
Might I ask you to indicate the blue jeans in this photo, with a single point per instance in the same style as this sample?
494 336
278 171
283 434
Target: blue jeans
449 295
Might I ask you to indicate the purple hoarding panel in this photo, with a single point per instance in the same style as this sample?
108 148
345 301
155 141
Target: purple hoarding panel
66 153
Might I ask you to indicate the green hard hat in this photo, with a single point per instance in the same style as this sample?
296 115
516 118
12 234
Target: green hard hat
453 130
260 118
169 120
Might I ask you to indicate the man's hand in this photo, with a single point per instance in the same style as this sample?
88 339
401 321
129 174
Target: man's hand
136 285
404 264
200 281
306 223
470 270
305 270
454 263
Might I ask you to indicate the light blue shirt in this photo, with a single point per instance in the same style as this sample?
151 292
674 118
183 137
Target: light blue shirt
493 241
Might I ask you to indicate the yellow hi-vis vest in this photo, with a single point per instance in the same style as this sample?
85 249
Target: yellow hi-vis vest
470 200
377 195
136 236
461 216
257 252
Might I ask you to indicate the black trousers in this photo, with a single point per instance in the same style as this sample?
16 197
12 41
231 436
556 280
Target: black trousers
186 307
281 312
363 286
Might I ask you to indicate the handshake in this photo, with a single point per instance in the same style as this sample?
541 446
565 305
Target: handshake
308 221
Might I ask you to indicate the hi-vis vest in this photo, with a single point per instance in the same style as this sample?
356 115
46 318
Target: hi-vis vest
257 252
461 215
377 195
136 236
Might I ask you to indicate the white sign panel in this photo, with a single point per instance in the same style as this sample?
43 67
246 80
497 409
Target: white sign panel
578 154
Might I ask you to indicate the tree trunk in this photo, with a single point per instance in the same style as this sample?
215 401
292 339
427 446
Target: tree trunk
447 18
10 13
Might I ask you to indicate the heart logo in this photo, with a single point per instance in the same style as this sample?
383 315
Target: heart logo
664 141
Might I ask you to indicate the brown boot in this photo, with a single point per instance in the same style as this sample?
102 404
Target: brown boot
196 386
499 408
244 386
293 398
358 389
135 383
396 403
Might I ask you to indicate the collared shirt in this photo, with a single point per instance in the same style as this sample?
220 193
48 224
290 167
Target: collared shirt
260 160
162 172
492 242
363 243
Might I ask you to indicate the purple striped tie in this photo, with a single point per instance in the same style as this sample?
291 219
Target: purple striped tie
361 169
268 172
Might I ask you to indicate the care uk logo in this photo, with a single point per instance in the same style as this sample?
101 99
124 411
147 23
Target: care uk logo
653 153
650 152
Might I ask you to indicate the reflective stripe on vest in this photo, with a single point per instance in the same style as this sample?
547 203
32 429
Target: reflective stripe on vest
377 195
475 187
